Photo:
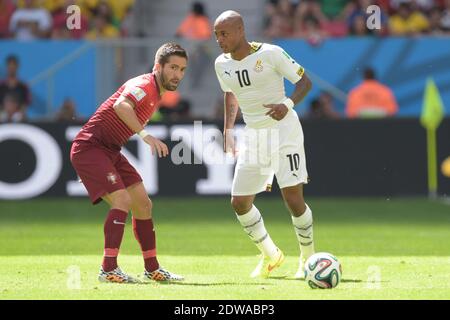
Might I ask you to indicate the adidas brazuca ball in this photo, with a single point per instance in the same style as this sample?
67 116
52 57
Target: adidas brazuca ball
323 271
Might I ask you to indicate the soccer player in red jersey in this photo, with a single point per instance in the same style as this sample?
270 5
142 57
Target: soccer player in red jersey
107 174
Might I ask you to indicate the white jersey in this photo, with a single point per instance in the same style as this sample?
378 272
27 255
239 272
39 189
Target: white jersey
257 80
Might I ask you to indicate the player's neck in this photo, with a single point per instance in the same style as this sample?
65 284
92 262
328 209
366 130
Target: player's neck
243 51
159 83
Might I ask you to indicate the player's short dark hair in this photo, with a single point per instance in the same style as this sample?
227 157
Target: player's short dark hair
169 49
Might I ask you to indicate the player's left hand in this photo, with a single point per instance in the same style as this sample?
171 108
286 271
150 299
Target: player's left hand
157 146
276 111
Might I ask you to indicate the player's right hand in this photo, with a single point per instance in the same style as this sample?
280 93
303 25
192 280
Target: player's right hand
228 142
157 146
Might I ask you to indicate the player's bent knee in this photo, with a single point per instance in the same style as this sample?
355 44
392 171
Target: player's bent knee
149 205
142 209
146 206
241 204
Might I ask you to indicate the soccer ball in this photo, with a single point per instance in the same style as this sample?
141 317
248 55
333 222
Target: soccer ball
323 271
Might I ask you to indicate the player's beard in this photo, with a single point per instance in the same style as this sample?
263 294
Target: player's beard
167 84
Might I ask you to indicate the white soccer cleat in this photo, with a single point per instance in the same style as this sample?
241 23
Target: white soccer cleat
115 276
267 265
161 274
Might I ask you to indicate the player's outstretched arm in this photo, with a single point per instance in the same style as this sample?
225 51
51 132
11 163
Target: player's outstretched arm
125 110
231 108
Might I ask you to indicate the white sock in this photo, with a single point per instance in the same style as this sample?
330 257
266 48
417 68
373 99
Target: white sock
303 226
253 224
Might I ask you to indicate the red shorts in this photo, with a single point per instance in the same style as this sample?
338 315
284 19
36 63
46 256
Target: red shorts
101 170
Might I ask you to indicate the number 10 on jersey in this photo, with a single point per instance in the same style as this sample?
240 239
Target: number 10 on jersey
243 77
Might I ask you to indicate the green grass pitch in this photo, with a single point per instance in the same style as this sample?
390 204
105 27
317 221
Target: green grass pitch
389 249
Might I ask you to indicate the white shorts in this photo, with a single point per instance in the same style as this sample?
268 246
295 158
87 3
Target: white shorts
266 152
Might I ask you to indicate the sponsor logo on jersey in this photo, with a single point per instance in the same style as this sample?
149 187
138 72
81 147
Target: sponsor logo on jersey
258 67
138 93
228 73
300 71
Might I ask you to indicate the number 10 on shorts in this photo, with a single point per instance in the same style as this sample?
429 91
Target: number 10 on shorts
294 160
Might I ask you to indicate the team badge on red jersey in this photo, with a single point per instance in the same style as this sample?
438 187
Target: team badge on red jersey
138 93
112 178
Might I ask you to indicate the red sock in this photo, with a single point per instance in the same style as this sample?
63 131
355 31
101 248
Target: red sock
113 229
145 235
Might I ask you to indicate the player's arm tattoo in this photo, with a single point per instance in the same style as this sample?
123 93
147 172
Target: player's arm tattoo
231 110
302 88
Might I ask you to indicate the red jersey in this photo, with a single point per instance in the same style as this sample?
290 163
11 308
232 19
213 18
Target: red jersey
106 128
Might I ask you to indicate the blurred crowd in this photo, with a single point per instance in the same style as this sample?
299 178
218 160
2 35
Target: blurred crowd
16 97
316 20
313 20
44 19
370 98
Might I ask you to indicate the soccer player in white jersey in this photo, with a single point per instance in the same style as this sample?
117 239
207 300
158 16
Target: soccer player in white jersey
251 76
